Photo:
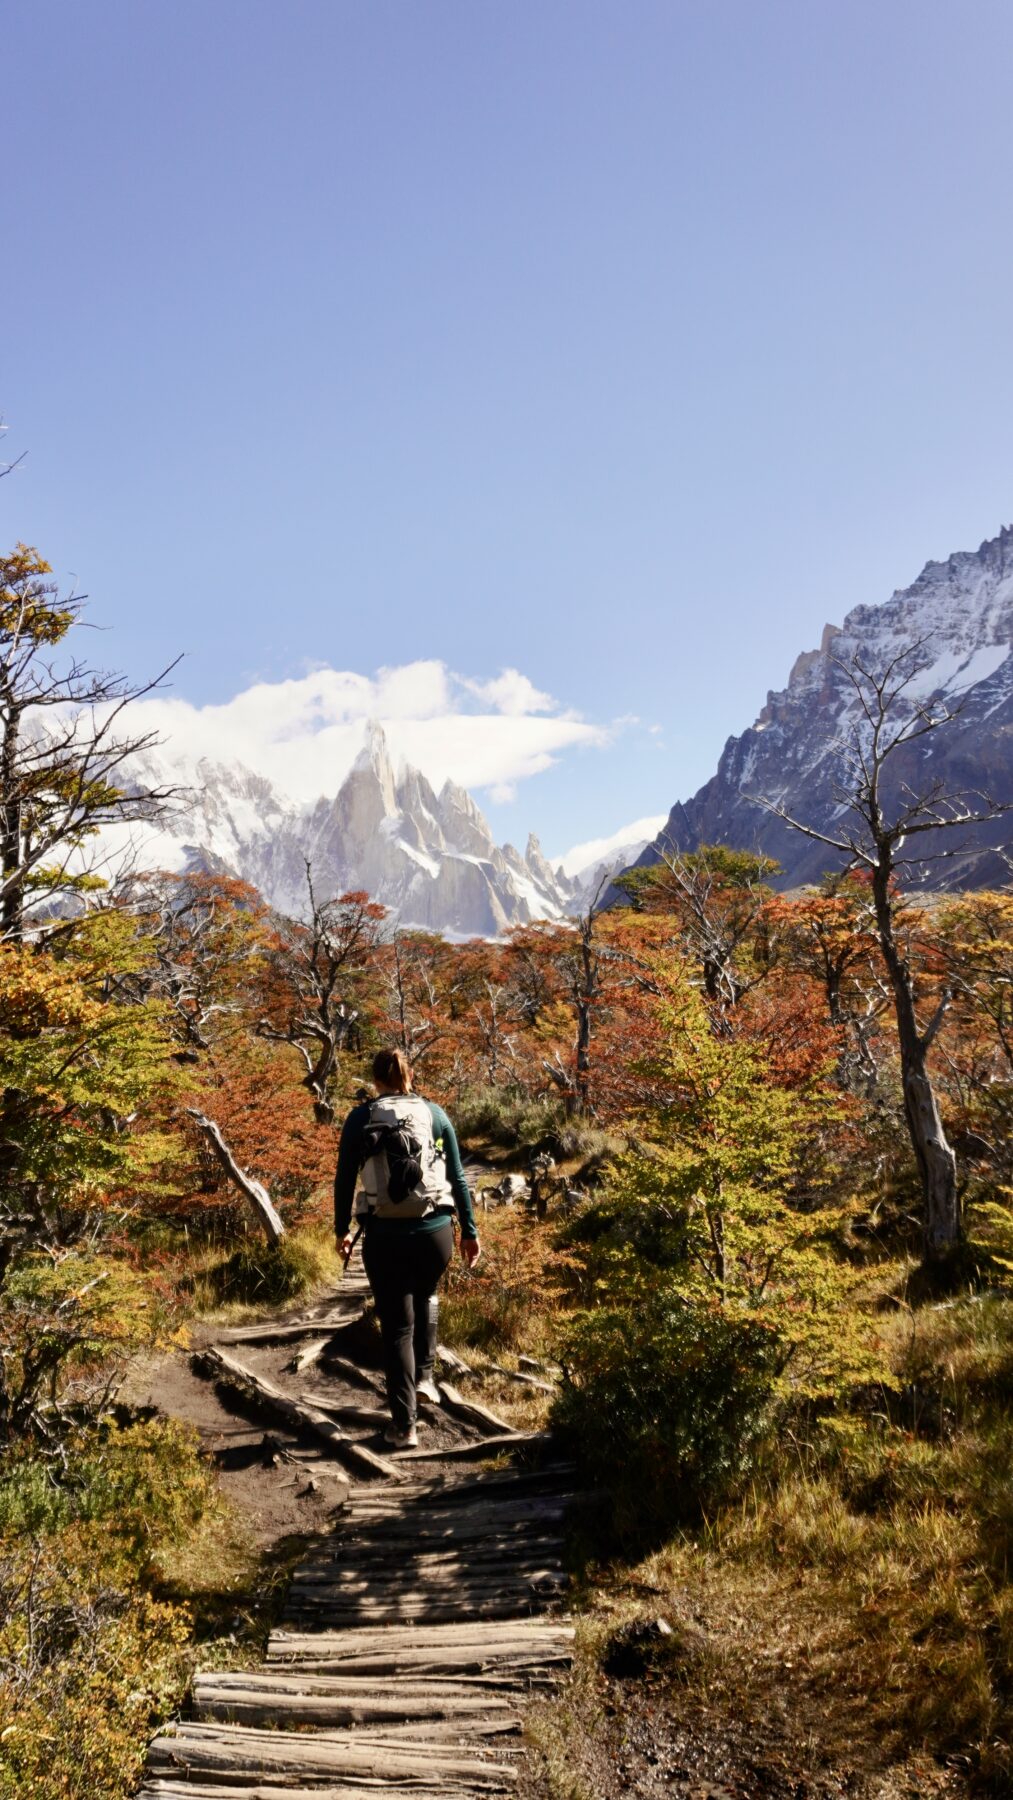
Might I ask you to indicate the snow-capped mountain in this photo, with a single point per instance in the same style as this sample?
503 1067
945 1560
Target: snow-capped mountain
959 615
591 865
428 856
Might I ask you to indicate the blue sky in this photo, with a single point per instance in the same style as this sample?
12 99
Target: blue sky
620 345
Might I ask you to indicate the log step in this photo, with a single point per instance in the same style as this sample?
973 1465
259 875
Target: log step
294 1414
489 1446
244 1754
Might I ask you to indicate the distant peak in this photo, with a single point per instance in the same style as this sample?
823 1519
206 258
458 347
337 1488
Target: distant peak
459 796
375 752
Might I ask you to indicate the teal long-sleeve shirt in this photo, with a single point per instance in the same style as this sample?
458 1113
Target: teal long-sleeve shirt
350 1162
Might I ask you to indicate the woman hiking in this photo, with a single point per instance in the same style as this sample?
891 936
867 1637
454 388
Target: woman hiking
412 1183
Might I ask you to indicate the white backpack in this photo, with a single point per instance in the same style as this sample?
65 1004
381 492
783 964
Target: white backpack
404 1175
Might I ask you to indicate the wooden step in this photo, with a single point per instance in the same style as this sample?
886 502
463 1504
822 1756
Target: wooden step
289 1700
245 1754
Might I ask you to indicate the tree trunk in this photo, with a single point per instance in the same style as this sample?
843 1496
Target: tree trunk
937 1164
255 1192
12 909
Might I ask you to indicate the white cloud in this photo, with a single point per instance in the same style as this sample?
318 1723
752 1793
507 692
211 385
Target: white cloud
598 850
511 692
305 733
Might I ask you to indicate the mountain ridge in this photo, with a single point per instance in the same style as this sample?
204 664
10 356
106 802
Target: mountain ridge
960 610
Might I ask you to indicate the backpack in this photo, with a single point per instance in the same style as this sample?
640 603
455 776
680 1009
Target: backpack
403 1171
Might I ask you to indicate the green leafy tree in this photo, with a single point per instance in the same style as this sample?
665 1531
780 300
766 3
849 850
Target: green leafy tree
79 1072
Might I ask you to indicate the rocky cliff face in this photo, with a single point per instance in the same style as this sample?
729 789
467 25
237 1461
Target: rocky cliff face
430 857
959 614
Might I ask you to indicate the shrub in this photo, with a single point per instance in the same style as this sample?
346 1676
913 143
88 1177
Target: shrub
499 1304
260 1273
662 1403
93 1651
506 1116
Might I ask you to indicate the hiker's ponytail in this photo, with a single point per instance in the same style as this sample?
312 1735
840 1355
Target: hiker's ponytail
392 1070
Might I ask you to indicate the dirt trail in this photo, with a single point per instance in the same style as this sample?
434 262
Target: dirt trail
419 1625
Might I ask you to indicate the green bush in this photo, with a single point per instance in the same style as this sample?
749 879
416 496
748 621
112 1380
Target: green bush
259 1273
662 1403
93 1652
506 1116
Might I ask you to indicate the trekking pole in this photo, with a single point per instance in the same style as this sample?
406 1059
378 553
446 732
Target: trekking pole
347 1259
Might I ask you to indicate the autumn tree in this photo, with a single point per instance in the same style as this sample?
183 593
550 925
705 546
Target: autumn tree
975 937
880 814
81 1067
315 972
65 745
716 898
830 937
203 935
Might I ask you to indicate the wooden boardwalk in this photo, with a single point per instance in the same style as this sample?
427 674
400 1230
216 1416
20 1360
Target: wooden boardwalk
411 1641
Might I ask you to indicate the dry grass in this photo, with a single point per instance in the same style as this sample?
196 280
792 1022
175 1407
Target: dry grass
855 1603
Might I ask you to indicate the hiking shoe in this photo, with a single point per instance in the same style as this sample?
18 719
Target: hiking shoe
401 1440
426 1389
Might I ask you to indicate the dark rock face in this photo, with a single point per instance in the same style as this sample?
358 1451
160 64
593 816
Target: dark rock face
959 615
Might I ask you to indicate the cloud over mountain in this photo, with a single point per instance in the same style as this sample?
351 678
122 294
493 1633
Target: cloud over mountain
305 733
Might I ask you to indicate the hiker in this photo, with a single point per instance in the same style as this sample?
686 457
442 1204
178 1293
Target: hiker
412 1183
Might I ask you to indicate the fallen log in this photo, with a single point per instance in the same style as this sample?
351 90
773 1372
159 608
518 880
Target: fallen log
295 1414
309 1354
280 1330
470 1411
532 1381
254 1190
309 1759
450 1359
490 1446
352 1415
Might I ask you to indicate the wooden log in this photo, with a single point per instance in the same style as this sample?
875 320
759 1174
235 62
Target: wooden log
450 1360
307 1355
274 1701
492 1446
373 1587
254 1190
466 1522
432 1613
281 1330
416 1694
531 1381
352 1372
158 1788
377 1416
204 1750
498 1553
470 1411
295 1415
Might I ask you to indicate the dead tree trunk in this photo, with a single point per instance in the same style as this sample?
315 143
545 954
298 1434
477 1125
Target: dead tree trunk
254 1190
937 1162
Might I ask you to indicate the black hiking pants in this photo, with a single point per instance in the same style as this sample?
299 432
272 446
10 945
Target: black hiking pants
403 1274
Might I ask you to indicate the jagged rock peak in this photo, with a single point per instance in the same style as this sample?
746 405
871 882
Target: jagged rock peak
375 752
430 858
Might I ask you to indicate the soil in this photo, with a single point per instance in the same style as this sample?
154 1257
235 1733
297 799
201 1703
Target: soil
285 1483
283 1487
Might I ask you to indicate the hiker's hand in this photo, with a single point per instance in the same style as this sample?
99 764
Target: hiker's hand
345 1245
471 1250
